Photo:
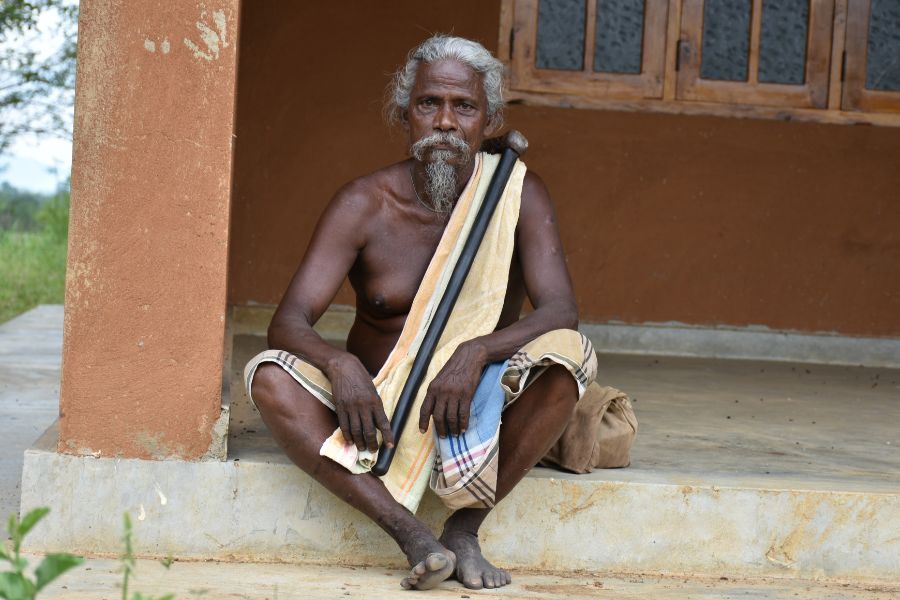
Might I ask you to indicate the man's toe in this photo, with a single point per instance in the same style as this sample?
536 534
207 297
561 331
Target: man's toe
473 583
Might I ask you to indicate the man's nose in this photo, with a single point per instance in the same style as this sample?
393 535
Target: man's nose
445 119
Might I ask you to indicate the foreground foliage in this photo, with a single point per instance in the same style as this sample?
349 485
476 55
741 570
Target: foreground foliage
15 584
128 565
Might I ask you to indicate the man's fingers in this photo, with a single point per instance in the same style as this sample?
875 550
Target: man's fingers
425 412
384 426
464 416
440 417
356 431
344 424
369 434
452 416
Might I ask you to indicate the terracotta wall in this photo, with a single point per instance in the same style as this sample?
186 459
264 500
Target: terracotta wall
698 220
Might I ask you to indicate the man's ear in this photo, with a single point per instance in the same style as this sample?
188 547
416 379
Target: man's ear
404 119
493 125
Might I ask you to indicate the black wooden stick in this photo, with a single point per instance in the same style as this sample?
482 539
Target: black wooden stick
515 146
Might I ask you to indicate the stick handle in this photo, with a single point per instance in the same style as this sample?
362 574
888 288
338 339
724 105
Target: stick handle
445 306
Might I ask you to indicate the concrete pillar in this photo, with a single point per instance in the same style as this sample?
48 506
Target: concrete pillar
151 180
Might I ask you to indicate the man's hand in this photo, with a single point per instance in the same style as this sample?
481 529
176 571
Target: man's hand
359 409
449 395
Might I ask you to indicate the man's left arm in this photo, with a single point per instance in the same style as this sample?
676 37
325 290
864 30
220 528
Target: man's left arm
549 288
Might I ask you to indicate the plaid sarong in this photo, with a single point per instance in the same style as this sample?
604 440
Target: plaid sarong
465 469
464 472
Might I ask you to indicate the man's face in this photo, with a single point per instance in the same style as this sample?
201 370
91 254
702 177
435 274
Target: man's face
447 99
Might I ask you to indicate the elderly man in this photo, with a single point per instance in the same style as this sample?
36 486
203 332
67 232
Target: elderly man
393 233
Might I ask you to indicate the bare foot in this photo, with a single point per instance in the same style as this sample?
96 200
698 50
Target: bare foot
427 574
431 562
472 569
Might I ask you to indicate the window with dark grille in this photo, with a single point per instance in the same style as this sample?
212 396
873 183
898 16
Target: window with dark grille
811 59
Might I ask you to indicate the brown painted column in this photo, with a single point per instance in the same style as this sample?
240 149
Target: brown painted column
148 245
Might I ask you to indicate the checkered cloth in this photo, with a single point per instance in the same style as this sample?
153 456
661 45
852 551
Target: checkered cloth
464 472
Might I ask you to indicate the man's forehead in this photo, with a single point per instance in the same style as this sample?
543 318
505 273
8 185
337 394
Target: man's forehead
449 72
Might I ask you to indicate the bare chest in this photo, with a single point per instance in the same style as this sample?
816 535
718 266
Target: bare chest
390 268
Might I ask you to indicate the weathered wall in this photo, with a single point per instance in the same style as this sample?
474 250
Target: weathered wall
146 281
665 218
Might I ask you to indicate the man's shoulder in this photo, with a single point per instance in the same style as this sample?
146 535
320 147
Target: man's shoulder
359 204
534 193
369 191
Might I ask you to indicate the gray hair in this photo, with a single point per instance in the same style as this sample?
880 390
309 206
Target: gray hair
444 47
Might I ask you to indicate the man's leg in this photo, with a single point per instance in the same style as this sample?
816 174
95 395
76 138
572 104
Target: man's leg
530 427
300 424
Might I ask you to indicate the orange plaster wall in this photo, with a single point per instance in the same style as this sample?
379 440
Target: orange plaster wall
146 281
701 220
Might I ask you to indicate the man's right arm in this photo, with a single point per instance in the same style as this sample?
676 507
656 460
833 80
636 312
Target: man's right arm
338 239
336 242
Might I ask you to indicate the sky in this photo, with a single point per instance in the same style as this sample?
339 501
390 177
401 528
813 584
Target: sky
38 164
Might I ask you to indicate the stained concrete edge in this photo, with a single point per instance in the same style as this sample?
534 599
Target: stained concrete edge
664 339
259 510
743 344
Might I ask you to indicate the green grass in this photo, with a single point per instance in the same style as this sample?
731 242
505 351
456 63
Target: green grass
32 270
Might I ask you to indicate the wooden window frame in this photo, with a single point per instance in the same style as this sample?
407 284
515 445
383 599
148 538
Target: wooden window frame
523 88
811 94
648 84
855 95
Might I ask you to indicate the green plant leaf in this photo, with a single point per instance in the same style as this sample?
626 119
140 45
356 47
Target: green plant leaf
13 586
18 563
31 519
12 526
4 554
53 566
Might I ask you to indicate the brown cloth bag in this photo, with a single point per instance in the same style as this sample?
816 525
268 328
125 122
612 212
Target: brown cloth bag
599 434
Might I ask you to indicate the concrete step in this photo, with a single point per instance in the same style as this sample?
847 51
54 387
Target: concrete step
740 469
257 507
98 579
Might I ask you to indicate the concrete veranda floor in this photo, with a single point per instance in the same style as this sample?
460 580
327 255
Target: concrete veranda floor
30 353
733 422
725 422
219 581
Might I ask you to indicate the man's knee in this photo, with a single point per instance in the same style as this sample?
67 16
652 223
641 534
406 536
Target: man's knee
268 384
554 390
562 382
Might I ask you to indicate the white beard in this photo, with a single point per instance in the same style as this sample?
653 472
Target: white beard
441 178
441 181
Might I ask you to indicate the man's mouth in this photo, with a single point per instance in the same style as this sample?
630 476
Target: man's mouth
443 143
